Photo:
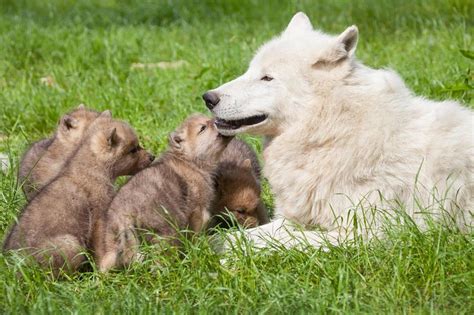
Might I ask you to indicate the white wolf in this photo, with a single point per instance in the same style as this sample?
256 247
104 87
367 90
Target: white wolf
342 137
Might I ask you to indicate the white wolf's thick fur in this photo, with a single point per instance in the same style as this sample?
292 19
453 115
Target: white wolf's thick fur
343 136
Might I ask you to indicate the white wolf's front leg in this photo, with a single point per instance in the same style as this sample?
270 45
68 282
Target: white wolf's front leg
283 233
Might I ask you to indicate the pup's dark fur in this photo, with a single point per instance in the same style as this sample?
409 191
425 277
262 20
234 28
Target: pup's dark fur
174 193
238 186
55 227
43 161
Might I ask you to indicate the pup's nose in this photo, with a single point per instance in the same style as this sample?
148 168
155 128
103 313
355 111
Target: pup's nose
211 99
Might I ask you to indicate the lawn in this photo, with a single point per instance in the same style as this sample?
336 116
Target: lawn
57 54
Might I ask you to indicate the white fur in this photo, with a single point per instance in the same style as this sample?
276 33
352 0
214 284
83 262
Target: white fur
342 138
4 162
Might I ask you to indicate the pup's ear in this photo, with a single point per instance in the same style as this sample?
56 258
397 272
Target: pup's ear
81 107
299 22
348 40
68 122
112 138
106 114
247 164
175 140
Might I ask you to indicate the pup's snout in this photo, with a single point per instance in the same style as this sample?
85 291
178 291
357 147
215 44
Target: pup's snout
211 99
152 157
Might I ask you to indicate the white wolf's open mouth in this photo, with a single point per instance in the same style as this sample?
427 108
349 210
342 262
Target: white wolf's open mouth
236 124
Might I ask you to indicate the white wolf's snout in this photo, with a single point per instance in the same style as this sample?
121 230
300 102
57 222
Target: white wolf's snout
241 105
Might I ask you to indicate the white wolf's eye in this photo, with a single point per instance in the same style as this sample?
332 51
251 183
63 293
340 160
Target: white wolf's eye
266 78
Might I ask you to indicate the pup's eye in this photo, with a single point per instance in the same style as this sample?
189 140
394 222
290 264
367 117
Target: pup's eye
203 127
266 78
240 210
134 150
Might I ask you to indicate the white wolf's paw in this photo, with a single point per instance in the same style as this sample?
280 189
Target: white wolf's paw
265 236
224 243
4 162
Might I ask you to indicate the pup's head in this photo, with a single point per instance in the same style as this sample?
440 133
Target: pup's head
288 74
238 192
72 126
116 144
197 139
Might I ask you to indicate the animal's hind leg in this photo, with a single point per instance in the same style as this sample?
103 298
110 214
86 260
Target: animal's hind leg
63 252
199 219
129 247
121 250
107 261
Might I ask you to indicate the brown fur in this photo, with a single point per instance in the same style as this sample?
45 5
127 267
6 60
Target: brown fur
238 186
172 194
43 161
55 227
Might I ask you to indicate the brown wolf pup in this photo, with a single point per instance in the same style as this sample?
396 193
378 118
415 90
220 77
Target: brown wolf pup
238 187
173 193
44 159
55 227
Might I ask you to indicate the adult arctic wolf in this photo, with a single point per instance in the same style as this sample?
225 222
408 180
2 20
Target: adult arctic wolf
342 138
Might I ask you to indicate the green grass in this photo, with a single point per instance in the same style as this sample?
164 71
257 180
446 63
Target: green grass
88 49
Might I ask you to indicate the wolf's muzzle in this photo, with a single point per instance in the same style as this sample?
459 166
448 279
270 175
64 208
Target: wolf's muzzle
211 99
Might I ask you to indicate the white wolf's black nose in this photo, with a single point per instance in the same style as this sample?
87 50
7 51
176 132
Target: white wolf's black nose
211 99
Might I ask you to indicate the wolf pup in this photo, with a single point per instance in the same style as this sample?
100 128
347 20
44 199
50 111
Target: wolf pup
238 187
174 193
55 227
45 158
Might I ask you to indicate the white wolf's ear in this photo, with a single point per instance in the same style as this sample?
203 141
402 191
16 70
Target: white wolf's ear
299 22
348 40
343 48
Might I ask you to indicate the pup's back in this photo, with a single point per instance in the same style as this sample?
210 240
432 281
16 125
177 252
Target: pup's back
238 186
43 161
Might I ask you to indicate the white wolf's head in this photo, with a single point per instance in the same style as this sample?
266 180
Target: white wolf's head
287 75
